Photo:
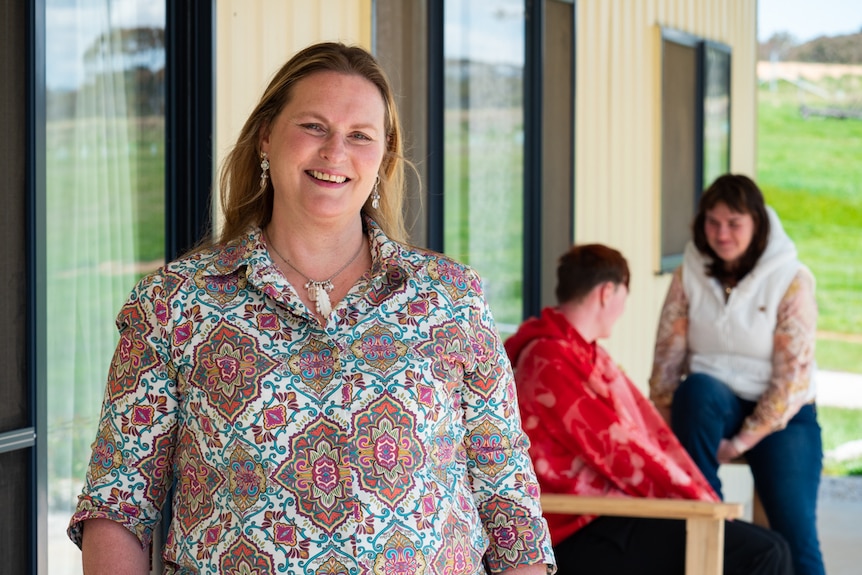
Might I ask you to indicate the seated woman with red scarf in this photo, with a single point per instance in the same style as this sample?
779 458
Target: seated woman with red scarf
592 432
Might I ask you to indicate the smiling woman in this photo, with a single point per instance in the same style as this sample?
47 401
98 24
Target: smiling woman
337 418
324 149
734 359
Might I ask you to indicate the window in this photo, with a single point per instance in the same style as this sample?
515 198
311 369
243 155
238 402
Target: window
716 111
695 141
490 124
105 218
483 135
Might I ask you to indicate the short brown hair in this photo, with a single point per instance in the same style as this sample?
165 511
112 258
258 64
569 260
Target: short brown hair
584 267
740 194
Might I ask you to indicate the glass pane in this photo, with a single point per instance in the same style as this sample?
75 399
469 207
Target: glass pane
483 138
558 124
716 114
679 117
105 68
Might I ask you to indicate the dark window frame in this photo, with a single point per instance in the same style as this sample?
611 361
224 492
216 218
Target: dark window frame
668 260
189 127
189 122
535 275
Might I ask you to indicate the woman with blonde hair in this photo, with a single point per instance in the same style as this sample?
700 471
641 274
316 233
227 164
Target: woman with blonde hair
325 397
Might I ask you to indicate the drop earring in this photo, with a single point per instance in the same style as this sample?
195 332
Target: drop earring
375 195
264 169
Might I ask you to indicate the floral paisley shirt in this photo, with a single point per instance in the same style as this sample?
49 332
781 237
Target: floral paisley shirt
385 441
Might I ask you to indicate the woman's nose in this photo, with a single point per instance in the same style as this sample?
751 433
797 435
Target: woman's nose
333 148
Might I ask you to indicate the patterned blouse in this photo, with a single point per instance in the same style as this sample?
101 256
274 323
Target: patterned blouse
386 441
793 349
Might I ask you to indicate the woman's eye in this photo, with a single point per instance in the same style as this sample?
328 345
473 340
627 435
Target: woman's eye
313 127
362 137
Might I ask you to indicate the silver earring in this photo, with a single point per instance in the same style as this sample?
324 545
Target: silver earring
264 169
375 195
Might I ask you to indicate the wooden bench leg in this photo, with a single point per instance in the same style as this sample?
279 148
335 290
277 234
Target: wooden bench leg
704 546
758 514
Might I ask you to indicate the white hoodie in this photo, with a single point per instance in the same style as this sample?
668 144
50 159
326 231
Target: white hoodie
732 341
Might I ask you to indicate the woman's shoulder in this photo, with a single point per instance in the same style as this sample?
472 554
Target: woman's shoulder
209 260
426 264
217 258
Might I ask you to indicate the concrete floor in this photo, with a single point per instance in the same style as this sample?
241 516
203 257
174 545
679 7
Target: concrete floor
839 507
839 522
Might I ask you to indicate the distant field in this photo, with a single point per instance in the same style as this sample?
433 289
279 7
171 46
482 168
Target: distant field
811 173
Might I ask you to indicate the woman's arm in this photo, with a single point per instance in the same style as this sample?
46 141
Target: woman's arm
502 478
792 365
108 548
671 346
527 570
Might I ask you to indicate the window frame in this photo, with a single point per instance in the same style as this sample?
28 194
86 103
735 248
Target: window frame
189 130
538 275
669 259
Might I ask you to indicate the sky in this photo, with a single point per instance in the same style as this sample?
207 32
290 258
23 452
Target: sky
803 19
808 19
71 26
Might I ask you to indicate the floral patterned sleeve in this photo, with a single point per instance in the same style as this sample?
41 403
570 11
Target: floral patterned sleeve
503 480
792 362
671 347
129 471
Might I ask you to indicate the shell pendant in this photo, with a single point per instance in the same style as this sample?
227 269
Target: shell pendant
318 292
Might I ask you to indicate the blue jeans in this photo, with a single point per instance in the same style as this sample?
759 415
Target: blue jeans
786 465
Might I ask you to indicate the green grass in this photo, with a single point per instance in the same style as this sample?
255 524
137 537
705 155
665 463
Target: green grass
840 425
105 215
810 173
484 204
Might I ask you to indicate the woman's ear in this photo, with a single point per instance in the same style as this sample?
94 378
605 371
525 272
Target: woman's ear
263 138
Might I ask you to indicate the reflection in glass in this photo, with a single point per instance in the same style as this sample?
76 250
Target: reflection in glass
483 138
716 113
105 71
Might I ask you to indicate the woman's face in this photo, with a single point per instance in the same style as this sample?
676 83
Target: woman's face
325 147
728 233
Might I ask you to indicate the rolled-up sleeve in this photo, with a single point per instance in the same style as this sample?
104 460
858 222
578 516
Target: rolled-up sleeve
129 472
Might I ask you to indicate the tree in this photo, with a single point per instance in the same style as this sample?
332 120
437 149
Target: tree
777 47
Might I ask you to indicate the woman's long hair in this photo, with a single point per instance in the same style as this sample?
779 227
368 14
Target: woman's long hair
740 194
244 203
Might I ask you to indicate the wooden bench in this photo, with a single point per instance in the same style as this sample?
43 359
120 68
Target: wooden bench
704 522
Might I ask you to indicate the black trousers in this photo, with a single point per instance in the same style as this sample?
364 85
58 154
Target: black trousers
642 546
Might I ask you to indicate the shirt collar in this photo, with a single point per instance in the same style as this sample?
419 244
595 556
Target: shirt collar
389 258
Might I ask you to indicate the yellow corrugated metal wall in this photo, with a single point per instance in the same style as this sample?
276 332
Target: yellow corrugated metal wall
254 39
617 113
618 139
